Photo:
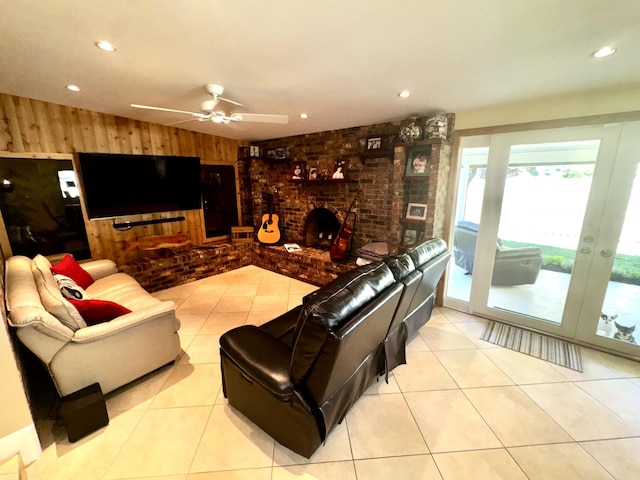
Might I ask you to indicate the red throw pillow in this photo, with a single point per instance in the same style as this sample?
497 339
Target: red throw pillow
98 311
72 269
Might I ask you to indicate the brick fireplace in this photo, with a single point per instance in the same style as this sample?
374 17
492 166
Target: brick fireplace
384 191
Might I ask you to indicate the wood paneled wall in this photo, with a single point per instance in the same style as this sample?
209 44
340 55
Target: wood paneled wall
32 128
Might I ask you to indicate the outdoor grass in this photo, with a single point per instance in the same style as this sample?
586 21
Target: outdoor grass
626 268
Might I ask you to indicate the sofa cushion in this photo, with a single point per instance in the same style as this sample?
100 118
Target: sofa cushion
424 252
124 290
400 265
50 295
70 289
331 307
69 267
96 311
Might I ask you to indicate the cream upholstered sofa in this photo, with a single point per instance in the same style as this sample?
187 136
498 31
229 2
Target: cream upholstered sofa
112 353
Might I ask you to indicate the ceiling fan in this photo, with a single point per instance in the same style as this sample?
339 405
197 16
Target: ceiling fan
207 111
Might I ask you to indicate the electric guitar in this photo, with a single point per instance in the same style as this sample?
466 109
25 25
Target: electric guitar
269 232
339 251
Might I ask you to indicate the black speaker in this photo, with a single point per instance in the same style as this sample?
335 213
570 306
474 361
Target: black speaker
84 412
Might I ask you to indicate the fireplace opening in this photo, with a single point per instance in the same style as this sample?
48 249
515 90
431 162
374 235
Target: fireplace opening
320 228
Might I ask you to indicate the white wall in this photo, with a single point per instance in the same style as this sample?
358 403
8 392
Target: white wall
583 104
17 431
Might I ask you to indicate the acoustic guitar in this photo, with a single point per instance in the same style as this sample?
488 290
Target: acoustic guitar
269 232
339 251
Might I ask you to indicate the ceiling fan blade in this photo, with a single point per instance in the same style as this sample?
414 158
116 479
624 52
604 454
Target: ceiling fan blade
171 110
184 121
233 102
260 118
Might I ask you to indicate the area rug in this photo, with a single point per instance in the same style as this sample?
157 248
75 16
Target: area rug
534 344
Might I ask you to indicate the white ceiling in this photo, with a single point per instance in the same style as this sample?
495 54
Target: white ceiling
342 62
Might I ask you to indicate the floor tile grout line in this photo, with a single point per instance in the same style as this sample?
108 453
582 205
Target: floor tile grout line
430 453
597 400
589 395
123 443
195 450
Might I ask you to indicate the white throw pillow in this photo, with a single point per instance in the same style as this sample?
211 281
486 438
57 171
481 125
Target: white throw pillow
50 295
70 289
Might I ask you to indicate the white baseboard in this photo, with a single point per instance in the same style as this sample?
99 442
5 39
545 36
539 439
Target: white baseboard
24 441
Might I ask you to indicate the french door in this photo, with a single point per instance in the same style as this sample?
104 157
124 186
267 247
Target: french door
555 217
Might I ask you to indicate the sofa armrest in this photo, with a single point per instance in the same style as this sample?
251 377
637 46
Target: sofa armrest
284 326
124 322
99 268
262 358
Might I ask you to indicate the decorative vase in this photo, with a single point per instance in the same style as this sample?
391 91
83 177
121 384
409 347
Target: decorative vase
410 131
435 127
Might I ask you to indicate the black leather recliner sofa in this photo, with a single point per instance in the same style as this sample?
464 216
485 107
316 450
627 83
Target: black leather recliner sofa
298 375
512 266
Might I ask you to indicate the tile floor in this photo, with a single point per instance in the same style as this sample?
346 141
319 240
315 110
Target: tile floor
460 409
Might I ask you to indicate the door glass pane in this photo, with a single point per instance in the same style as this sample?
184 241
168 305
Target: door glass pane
40 206
620 315
471 181
545 198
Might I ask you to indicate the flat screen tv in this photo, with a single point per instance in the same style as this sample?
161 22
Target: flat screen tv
116 185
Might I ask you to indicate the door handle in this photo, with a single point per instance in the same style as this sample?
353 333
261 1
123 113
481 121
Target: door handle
606 253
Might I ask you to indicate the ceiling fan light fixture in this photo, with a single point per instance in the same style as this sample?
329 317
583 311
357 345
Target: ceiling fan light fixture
106 46
604 52
208 105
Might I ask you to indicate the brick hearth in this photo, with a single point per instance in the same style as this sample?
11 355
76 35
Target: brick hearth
169 269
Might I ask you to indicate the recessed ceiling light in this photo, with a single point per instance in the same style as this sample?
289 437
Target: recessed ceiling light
106 46
73 88
404 94
604 52
304 115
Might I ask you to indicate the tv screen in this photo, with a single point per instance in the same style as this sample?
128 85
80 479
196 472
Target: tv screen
115 185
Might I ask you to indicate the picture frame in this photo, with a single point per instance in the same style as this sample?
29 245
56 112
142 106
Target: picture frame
374 143
243 152
313 173
418 159
339 169
412 236
377 145
278 153
255 151
416 211
299 170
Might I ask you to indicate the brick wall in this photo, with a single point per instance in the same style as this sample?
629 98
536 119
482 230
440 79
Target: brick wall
384 192
159 271
372 176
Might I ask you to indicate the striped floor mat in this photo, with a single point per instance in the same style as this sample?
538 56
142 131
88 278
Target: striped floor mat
534 344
